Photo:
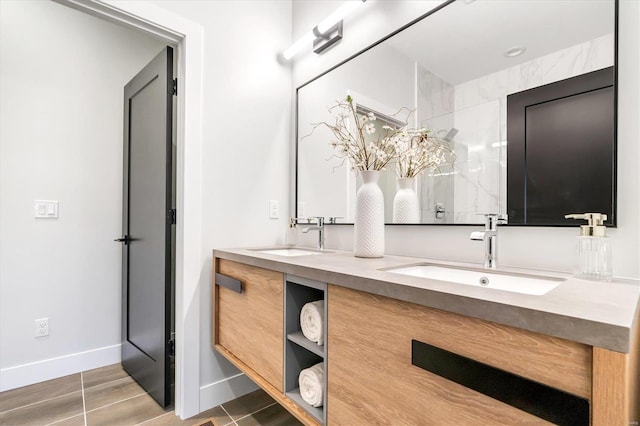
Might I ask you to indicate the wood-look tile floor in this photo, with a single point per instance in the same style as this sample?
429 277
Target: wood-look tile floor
108 396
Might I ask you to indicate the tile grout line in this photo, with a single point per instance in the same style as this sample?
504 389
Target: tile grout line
257 411
59 422
156 417
232 421
34 403
116 402
84 405
121 379
38 402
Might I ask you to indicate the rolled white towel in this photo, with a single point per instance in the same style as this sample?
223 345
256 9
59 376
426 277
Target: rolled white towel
311 381
312 321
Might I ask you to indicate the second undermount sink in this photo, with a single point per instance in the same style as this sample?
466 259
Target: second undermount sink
290 251
517 283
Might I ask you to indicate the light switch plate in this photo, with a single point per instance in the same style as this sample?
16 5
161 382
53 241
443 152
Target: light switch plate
274 209
45 209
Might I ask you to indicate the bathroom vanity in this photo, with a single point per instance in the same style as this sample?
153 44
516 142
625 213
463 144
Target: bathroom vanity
402 348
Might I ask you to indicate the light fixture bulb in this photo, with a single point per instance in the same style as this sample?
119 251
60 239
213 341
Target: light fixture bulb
321 29
337 16
304 42
514 51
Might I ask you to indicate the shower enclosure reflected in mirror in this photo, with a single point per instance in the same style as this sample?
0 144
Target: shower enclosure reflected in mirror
453 69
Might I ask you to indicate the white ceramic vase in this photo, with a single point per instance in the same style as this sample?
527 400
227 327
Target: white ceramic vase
369 220
406 206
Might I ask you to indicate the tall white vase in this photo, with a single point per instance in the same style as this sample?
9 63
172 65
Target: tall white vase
369 220
406 206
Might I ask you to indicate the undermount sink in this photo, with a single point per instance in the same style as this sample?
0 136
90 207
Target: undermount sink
290 251
516 283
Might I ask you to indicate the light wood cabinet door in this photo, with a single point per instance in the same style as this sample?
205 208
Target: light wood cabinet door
371 378
249 325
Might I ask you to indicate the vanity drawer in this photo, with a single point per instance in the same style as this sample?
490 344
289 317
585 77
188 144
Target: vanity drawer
248 324
372 346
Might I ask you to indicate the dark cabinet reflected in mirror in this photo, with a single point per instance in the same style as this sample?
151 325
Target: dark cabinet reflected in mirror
561 150
455 69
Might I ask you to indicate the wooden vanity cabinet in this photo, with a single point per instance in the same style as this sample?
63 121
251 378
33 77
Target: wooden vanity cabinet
371 376
248 325
248 328
371 379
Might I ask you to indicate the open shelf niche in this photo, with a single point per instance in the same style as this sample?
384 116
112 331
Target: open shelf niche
300 352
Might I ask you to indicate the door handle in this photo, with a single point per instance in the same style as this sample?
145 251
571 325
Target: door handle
125 239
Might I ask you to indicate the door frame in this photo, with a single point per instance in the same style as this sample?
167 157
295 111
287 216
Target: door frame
187 37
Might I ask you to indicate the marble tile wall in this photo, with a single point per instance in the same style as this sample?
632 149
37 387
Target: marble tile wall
435 106
480 115
435 95
477 183
478 110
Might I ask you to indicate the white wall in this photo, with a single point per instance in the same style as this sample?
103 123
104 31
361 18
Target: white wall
245 161
245 152
62 75
536 248
370 85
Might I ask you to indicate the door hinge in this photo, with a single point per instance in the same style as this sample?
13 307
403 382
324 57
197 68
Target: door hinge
175 87
171 345
172 216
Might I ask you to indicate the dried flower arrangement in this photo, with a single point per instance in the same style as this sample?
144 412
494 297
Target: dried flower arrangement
350 140
413 150
418 150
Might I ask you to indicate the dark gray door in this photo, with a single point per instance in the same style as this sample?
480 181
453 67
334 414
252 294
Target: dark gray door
147 221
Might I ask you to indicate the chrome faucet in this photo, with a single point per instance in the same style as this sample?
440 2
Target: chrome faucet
310 224
490 238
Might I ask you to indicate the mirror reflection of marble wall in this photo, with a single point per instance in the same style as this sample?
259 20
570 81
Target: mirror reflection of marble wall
478 109
447 89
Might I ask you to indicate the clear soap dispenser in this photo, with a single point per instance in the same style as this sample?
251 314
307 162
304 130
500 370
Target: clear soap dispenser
594 248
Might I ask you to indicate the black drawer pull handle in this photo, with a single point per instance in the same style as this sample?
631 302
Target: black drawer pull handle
546 402
228 282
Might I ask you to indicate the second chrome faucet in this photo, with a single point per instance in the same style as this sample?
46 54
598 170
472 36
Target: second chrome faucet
490 238
310 224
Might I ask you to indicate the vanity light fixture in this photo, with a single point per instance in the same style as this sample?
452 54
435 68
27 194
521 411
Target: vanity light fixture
326 33
514 51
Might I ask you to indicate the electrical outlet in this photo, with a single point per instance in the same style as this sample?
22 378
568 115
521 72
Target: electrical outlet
274 209
42 327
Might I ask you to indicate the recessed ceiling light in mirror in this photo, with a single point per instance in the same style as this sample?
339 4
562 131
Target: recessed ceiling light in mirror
514 51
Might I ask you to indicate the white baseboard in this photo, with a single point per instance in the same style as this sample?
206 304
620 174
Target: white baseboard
225 390
39 371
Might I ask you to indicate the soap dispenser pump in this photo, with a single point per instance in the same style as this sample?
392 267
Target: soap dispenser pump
594 248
